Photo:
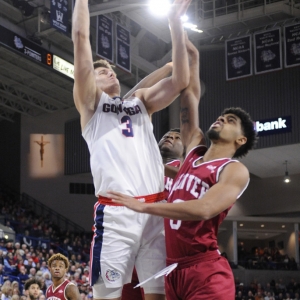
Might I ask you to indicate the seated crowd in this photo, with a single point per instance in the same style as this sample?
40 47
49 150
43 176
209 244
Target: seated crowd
37 238
265 259
273 290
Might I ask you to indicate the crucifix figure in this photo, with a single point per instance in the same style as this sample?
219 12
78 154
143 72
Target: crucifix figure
42 143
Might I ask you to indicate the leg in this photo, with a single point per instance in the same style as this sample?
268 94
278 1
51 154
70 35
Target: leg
101 292
129 292
151 257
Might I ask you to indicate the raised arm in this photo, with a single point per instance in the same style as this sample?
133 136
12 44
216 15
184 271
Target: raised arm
152 78
191 134
84 90
164 92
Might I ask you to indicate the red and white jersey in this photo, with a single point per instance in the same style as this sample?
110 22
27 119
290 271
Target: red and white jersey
124 153
188 238
58 293
169 181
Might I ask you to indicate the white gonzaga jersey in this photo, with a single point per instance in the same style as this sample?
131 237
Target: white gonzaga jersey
124 153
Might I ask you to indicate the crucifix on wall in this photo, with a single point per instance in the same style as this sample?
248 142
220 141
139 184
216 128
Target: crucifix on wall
42 143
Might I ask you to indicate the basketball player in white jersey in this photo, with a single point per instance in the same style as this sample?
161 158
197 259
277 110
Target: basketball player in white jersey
206 186
124 156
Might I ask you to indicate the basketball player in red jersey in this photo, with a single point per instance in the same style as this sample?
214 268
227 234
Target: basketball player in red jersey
205 188
32 288
61 288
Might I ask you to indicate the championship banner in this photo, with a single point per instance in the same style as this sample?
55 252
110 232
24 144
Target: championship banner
123 48
59 15
267 51
292 45
104 43
238 54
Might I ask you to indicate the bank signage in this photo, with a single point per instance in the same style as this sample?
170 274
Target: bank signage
273 126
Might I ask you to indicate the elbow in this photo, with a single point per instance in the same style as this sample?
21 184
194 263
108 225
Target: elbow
205 217
206 214
182 83
78 34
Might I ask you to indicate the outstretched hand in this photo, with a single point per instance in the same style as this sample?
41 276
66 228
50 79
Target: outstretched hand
178 9
126 200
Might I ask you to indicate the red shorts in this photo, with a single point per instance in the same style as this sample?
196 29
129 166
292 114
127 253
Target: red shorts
211 279
129 293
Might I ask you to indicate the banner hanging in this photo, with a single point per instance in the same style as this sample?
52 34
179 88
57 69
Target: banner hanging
238 54
267 51
123 48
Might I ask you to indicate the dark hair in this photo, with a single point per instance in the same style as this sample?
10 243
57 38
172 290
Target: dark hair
174 130
247 127
32 281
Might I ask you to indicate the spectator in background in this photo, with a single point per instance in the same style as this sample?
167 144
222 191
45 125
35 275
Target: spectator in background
23 275
6 291
9 247
10 264
32 289
34 258
26 239
259 296
15 288
288 297
47 278
72 270
2 246
1 257
250 296
17 246
239 296
3 275
28 263
15 297
32 272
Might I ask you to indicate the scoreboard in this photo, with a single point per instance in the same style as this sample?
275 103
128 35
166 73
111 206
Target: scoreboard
33 51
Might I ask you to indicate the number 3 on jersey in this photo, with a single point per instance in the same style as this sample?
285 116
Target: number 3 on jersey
128 132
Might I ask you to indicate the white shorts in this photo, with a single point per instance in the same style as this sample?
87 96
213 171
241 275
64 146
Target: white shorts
124 239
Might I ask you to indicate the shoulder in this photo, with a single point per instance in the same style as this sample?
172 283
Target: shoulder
72 291
235 170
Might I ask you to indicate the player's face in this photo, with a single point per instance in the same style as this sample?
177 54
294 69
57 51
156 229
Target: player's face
57 269
227 127
171 144
34 291
106 78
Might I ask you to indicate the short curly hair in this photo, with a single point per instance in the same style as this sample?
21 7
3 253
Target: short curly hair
248 130
32 281
59 256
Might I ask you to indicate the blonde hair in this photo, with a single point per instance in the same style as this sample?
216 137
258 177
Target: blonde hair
6 288
15 297
58 256
102 63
